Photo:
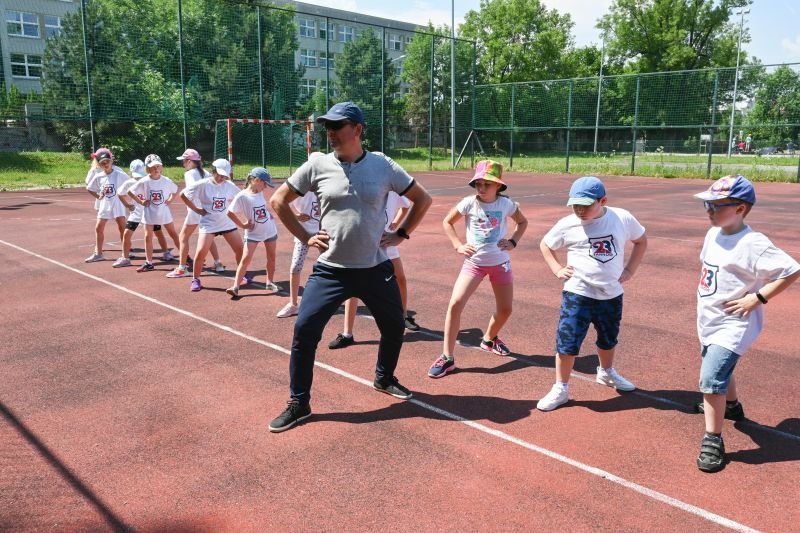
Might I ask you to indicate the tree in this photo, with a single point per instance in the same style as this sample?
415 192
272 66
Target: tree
665 35
776 113
358 71
135 71
519 40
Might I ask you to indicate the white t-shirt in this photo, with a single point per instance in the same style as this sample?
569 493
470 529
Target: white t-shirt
308 205
109 205
138 209
486 225
595 250
253 208
158 192
394 202
733 266
214 198
190 177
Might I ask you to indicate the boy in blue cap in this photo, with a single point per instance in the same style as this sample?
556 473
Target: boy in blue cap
741 271
594 236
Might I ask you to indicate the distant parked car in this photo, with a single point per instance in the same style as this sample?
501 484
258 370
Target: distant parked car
769 150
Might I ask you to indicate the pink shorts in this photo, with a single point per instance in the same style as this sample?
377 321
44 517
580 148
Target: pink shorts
498 274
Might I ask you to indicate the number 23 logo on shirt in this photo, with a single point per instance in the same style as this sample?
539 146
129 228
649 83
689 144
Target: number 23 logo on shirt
218 204
603 249
708 280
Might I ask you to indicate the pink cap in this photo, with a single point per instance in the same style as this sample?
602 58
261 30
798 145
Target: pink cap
102 154
191 154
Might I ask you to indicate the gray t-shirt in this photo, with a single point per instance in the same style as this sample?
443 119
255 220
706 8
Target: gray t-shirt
352 199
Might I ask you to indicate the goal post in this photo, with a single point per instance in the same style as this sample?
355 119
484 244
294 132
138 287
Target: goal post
279 145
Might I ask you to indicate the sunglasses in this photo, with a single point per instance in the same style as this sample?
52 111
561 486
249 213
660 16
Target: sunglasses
717 207
336 126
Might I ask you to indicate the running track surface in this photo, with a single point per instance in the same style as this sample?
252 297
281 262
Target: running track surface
127 402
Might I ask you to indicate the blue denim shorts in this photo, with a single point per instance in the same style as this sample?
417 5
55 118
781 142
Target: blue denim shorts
716 369
578 312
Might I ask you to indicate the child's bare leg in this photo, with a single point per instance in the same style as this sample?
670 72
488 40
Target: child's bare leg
203 244
294 287
186 233
462 290
564 364
249 251
714 407
162 241
121 227
148 243
214 252
504 297
400 274
606 357
271 247
127 237
172 235
234 240
99 235
350 311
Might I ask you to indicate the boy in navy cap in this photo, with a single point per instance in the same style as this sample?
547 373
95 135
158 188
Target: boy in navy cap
741 271
594 236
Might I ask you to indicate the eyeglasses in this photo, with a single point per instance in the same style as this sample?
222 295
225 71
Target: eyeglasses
336 126
717 207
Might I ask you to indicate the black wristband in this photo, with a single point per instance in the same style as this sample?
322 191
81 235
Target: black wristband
761 298
512 241
402 233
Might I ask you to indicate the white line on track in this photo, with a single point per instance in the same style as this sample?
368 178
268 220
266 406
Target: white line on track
640 489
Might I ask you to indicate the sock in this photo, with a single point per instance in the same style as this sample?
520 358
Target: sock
564 386
347 335
709 434
448 357
731 402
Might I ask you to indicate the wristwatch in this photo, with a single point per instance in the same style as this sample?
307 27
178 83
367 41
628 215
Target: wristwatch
402 233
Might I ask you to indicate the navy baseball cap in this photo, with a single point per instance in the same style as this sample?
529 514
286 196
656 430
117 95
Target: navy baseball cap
262 174
343 111
586 191
736 187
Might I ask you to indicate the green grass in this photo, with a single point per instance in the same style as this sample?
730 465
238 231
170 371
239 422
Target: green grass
27 170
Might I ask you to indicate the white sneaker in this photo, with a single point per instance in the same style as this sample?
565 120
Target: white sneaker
558 395
219 268
168 256
122 262
288 310
94 258
612 378
270 286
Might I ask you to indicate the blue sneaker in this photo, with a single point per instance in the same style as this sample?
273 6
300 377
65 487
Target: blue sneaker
441 367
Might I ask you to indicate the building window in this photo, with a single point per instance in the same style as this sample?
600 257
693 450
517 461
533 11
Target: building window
398 68
52 26
325 62
308 57
307 87
308 28
395 42
22 24
346 34
329 33
26 66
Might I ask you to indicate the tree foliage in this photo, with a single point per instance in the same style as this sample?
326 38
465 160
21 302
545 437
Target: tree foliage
776 113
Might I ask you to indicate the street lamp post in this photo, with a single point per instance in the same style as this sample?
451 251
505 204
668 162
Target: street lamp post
741 13
599 88
453 83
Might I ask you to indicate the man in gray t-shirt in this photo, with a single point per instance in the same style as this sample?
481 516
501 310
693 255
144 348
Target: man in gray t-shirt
352 185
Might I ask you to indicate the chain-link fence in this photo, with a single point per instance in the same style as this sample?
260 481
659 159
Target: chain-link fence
157 75
147 76
670 123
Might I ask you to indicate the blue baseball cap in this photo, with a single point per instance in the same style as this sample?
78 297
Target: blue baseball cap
343 111
262 174
736 187
586 191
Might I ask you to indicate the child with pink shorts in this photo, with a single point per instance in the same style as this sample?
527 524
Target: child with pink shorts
486 254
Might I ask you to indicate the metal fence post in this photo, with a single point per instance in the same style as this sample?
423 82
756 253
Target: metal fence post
713 122
569 123
511 131
472 123
261 93
183 82
430 108
635 124
88 74
383 83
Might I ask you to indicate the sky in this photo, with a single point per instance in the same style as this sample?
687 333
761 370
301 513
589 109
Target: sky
772 24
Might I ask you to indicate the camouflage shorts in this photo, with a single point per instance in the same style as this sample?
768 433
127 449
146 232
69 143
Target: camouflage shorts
577 312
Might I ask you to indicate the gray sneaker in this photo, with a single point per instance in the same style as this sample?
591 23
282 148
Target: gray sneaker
392 387
122 262
94 258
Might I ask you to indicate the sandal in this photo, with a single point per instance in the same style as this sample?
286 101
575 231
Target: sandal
712 454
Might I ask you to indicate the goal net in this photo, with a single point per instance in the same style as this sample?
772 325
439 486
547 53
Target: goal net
279 145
